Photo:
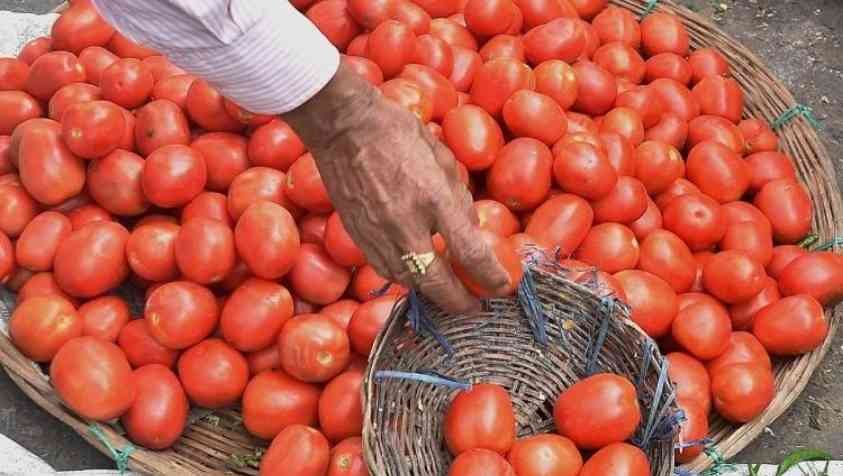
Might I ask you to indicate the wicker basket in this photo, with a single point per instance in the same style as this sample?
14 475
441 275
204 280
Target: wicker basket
218 443
585 334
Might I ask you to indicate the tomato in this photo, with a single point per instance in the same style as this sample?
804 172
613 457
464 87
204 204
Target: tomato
743 314
18 107
174 88
695 218
435 85
91 260
504 46
582 124
161 68
720 96
619 151
668 257
80 26
664 33
618 459
268 358
312 228
51 71
676 98
49 171
341 407
653 301
625 203
173 175
758 135
563 221
693 429
520 175
742 391
453 33
531 114
334 21
267 239
180 314
744 348
104 317
205 251
617 24
254 314
658 165
670 66
40 326
339 244
480 462
717 129
473 135
141 348
671 129
466 64
7 258
347 459
150 251
372 72
497 80
17 209
115 182
480 417
768 166
69 95
317 278
626 122
6 166
703 329
560 39
36 247
783 255
557 80
304 186
543 455
496 217
126 48
275 145
622 61
370 13
341 311
391 46
274 401
598 411
206 106
788 206
690 379
40 284
584 170
817 274
299 450
410 96
751 238
213 373
367 322
540 12
648 223
733 276
255 185
367 283
645 102
611 247
313 348
487 18
158 415
127 83
707 62
35 48
596 89
225 156
160 123
507 257
738 212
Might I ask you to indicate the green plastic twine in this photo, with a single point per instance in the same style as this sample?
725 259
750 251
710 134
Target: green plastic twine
830 245
798 110
720 465
648 9
120 457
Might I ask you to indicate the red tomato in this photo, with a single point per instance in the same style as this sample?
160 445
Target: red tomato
206 106
788 206
91 260
173 175
211 205
818 274
668 65
582 124
619 459
671 129
274 401
531 114
543 455
508 258
744 348
339 244
703 329
481 417
313 348
717 129
664 33
36 247
622 61
141 348
720 96
495 217
645 102
341 311
743 314
6 166
40 284
150 251
738 212
520 175
254 314
127 83
214 375
365 68
617 24
690 379
497 80
299 450
783 255
160 123
367 283
204 250
69 95
707 62
334 21
733 276
317 278
93 378
126 48
225 157
439 8
625 203
275 145
104 317
557 80
540 12
611 247
768 166
367 322
504 46
257 184
161 68
626 122
158 415
668 257
391 46
697 219
658 165
49 171
598 411
563 221
478 149
7 258
180 314
370 13
675 98
80 26
758 135
596 89
51 71
435 85
304 186
34 49
17 209
466 64
742 391
264 359
174 88
341 407
480 462
619 151
650 222
487 18
693 429
453 33
411 15
560 39
751 238
410 96
312 228
347 459
40 326
584 170
652 300
115 182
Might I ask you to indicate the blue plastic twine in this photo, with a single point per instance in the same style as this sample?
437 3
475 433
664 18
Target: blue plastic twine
532 308
605 309
432 378
121 456
422 324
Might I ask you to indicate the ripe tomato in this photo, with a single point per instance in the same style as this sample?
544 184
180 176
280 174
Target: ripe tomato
91 260
543 455
596 89
317 278
205 250
598 411
39 284
158 415
508 258
557 80
560 39
495 217
367 322
104 317
751 238
707 62
697 219
69 95
733 276
6 166
347 459
225 157
410 96
619 151
80 26
743 314
742 391
341 407
35 48
40 326
625 203
180 314
738 212
497 80
718 171
622 61
671 129
648 223
36 247
174 88
645 102
480 462
658 165
481 417
264 359
703 329
758 135
816 274
617 24
369 14
693 429
788 206
367 283
313 348
255 185
690 379
213 373
160 123
435 85
411 15
275 145
466 64
540 12
583 169
126 48
173 175
161 68
298 450
51 71
312 228
453 33
653 301
664 33
626 122
274 401
487 18
668 257
115 183
334 21
716 129
720 96
7 258
675 98
206 106
391 46
48 170
13 73
504 46
563 221
340 246
478 149
141 348
768 166
150 251
254 314
619 459
531 114
668 65
341 311
127 83
611 247
520 175
744 348
17 209
304 186
211 205
792 326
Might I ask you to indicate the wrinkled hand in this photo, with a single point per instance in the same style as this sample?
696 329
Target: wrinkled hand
394 186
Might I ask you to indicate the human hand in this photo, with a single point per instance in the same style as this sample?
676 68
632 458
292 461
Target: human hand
394 186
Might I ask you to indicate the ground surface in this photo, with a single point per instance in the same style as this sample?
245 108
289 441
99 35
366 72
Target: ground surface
802 41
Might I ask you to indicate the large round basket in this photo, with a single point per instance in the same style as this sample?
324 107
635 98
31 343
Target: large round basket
216 442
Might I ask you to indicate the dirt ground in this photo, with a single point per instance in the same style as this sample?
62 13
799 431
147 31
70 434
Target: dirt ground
801 41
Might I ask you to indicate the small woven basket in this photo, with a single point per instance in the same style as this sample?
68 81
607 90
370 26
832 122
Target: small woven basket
576 334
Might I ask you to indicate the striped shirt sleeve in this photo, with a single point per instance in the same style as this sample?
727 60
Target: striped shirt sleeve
262 54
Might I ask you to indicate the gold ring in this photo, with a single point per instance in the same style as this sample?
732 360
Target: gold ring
418 263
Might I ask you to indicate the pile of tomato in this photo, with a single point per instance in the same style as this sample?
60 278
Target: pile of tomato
579 128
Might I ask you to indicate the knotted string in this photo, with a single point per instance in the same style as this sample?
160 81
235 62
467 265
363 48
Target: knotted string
799 110
121 456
